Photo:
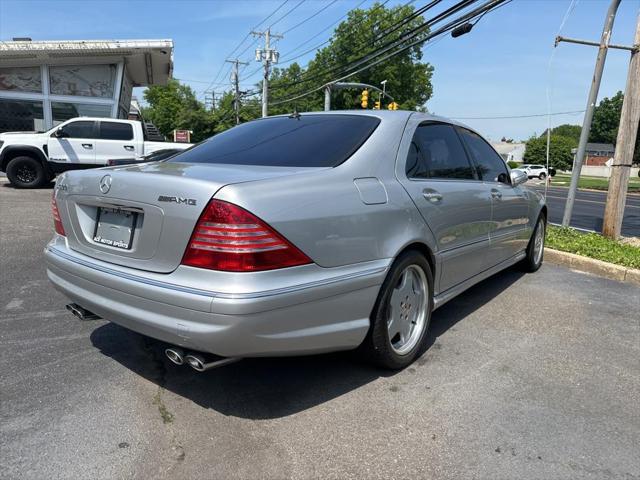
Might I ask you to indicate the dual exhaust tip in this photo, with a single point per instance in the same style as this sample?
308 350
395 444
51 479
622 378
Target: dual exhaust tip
197 361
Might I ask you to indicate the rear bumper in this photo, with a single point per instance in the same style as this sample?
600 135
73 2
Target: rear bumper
324 310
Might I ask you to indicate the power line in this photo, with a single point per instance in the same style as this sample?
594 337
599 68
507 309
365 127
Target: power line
310 17
215 79
499 117
490 4
287 13
340 66
389 45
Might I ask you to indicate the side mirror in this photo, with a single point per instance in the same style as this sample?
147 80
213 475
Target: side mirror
518 177
59 133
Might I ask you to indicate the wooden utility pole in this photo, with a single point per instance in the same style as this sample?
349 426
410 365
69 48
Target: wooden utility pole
625 145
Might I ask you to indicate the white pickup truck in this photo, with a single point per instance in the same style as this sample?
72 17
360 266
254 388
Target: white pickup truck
31 159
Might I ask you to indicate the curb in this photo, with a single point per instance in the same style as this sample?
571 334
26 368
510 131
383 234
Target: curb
593 266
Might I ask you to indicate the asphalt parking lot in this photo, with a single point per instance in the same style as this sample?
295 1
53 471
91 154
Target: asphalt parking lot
527 376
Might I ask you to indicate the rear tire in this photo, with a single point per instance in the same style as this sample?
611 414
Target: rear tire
535 250
26 172
542 176
402 313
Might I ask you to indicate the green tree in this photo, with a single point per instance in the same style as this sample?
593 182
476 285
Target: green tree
175 106
606 120
566 130
408 78
560 155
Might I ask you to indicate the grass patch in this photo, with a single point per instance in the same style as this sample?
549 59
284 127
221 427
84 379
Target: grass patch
592 245
595 183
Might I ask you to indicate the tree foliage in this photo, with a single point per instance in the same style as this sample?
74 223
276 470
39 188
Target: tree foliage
175 106
560 155
606 120
408 78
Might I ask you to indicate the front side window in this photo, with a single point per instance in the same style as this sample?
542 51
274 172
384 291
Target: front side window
490 165
115 131
80 129
295 141
436 152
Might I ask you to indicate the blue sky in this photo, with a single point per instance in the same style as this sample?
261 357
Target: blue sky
499 69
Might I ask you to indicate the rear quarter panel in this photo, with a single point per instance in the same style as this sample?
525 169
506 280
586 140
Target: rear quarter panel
323 212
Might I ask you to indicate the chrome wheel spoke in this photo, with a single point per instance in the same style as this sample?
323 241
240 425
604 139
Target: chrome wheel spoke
407 310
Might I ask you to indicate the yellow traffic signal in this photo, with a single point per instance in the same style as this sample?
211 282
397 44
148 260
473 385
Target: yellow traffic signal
377 105
365 99
392 106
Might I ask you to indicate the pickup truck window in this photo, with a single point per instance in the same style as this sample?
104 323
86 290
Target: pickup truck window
80 129
115 131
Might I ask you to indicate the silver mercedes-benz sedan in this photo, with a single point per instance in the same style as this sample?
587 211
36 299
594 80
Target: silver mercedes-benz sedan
294 235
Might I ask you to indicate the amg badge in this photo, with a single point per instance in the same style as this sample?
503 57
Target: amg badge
179 200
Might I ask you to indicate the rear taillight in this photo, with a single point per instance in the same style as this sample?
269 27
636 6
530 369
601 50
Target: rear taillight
231 239
57 222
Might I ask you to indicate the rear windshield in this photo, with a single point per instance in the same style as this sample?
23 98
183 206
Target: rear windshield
300 141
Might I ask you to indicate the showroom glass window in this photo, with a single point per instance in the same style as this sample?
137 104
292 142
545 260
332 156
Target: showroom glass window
21 79
21 116
436 152
63 111
83 80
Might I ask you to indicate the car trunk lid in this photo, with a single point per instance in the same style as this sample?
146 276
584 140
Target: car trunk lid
142 216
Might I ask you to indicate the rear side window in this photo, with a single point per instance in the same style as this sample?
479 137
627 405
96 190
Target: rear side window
490 165
301 141
436 152
116 131
81 129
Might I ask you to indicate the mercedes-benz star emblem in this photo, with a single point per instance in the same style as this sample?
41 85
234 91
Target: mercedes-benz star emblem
105 184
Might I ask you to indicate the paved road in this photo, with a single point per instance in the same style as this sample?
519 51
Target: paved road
588 210
527 376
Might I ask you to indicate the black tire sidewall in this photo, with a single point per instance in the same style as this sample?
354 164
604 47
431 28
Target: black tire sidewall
543 176
379 343
529 261
15 163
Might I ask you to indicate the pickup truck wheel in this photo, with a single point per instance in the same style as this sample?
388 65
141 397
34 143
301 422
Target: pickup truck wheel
26 172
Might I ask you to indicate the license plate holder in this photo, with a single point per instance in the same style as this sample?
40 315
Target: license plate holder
115 227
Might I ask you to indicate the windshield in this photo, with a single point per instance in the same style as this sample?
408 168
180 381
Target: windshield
296 141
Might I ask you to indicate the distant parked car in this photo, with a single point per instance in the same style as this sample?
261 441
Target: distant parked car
152 157
537 171
294 235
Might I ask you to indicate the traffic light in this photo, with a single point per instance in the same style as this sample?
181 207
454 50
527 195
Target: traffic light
365 99
392 106
377 105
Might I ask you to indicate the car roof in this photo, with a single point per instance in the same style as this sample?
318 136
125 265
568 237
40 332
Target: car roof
388 115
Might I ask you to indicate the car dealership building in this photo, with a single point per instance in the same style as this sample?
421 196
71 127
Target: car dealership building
43 83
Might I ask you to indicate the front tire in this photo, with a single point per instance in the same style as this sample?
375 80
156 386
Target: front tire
402 313
535 250
26 172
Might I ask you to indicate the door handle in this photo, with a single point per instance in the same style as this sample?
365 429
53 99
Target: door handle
432 196
496 194
128 147
88 146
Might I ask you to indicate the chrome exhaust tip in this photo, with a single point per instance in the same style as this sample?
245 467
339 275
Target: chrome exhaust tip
200 364
176 355
81 313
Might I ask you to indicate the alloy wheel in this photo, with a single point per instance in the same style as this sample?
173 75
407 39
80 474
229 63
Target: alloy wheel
407 310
